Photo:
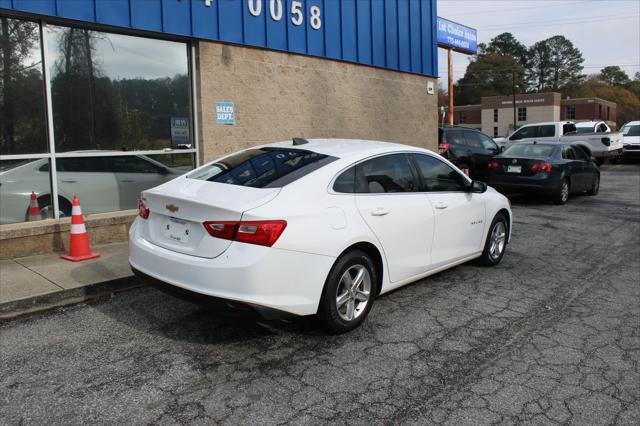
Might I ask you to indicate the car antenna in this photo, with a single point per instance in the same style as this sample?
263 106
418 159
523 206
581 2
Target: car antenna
299 141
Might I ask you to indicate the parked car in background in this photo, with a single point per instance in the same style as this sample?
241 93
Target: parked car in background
469 149
316 227
103 184
555 170
631 133
600 145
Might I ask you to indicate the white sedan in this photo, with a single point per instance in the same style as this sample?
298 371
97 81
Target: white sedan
316 227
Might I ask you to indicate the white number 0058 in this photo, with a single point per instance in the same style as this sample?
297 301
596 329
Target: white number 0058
297 15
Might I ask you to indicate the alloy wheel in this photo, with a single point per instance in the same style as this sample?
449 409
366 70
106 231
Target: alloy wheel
498 240
353 292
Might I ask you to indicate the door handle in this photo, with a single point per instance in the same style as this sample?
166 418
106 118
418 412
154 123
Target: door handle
127 180
380 211
69 181
441 205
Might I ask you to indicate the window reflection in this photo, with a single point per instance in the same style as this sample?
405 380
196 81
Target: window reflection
117 92
22 108
18 179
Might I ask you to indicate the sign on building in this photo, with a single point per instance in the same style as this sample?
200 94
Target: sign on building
180 133
225 113
452 35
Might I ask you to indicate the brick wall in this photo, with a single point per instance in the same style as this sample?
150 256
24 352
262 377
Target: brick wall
278 96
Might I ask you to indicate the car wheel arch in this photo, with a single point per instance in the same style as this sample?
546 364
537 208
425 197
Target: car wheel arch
376 257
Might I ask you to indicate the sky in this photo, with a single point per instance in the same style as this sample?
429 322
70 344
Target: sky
607 32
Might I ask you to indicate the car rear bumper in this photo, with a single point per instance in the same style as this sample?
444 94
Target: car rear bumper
283 280
539 184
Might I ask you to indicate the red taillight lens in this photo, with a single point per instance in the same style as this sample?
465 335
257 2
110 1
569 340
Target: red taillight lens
261 232
494 165
443 147
540 167
143 211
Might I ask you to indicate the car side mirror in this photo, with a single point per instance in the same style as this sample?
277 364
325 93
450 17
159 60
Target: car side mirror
477 187
502 148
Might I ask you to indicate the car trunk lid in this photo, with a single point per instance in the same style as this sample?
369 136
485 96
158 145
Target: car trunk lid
179 208
515 166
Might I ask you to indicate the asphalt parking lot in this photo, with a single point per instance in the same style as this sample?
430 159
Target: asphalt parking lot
551 335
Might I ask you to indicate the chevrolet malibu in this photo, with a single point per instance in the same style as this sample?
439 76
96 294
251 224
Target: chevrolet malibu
316 227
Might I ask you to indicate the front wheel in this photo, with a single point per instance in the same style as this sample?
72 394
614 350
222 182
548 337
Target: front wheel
595 188
496 243
348 292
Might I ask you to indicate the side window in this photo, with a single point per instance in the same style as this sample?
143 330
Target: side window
524 132
567 153
487 142
473 139
388 173
81 165
438 176
602 128
455 137
346 182
546 131
568 128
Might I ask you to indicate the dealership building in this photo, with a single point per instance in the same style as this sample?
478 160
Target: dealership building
105 98
495 114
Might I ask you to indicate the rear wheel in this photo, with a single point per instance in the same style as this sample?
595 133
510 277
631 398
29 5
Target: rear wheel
563 192
496 243
348 292
595 188
46 207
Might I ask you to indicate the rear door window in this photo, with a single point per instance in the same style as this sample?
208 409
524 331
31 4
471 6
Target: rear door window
568 128
473 140
263 167
547 131
579 154
456 137
567 153
385 174
487 143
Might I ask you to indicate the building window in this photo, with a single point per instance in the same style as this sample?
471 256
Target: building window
462 117
570 112
495 115
120 111
495 131
522 114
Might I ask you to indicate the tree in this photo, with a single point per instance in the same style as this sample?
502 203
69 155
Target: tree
553 64
637 76
506 44
492 70
613 75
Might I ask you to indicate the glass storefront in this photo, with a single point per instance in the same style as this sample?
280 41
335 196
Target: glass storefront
120 115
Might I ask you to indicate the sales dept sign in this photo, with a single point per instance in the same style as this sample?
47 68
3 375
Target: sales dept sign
225 113
452 35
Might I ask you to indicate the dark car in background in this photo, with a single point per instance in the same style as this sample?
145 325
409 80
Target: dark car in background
468 149
548 169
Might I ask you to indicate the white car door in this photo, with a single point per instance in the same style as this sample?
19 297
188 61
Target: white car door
133 175
88 178
459 215
400 217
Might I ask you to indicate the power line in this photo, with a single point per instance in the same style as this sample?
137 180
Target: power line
482 12
547 23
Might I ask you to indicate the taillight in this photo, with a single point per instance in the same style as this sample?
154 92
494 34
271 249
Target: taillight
260 232
143 211
443 147
494 164
540 167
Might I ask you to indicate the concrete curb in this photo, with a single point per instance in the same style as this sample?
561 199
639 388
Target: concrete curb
57 299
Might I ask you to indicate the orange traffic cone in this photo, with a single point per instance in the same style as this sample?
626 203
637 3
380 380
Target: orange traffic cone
79 244
34 208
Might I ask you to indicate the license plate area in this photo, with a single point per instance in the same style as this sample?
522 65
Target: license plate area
514 169
177 230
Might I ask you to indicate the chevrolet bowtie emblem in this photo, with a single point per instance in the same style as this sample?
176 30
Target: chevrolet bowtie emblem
172 208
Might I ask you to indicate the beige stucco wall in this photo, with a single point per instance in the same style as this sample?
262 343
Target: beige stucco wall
278 96
535 114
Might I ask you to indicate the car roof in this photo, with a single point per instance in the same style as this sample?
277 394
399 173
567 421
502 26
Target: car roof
633 123
546 123
588 123
346 148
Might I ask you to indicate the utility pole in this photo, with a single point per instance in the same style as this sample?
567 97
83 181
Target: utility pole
513 91
450 90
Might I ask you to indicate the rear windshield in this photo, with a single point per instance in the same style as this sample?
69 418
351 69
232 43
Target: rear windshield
263 167
529 151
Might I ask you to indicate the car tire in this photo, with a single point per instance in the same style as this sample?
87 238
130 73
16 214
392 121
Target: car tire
496 243
46 207
599 161
595 188
345 303
563 192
